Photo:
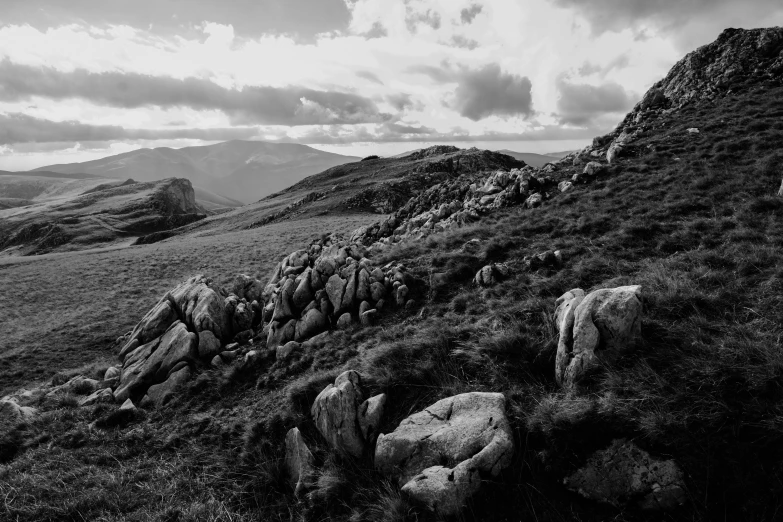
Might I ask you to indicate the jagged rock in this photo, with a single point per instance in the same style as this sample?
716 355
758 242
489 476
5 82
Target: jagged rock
312 323
610 318
565 186
780 190
247 288
103 395
128 406
370 415
491 274
80 385
335 413
151 326
614 152
200 307
303 293
284 306
162 393
287 350
472 247
112 376
280 333
345 321
623 472
470 429
299 462
208 345
151 363
335 288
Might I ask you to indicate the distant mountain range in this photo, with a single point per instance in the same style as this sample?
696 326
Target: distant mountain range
241 170
534 160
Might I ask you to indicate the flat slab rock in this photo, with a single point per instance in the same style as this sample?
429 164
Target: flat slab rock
469 432
625 473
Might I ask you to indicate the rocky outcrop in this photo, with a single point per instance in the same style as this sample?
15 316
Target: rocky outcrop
469 430
594 328
342 416
624 473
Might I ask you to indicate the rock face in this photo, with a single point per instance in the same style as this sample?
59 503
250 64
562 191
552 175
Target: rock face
343 418
470 430
595 328
624 473
298 461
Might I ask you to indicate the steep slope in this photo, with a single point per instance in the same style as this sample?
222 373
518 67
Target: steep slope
86 213
693 218
242 170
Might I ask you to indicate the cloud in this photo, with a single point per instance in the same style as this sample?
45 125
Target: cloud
582 104
22 128
403 101
301 18
705 18
402 133
290 105
368 75
415 18
463 42
468 14
620 62
376 31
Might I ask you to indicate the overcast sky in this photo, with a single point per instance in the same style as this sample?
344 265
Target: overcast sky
88 78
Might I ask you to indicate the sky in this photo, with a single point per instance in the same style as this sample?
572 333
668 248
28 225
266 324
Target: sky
85 79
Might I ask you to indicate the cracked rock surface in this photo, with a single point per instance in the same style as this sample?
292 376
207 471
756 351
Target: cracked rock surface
440 453
624 472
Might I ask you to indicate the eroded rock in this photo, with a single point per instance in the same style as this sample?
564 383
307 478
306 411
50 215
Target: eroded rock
299 462
335 414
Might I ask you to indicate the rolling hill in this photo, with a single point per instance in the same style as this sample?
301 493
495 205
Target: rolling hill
241 170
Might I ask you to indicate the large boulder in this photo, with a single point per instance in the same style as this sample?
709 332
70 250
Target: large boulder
299 461
200 307
470 430
335 289
625 473
280 333
335 414
104 396
595 327
312 323
151 363
151 326
160 394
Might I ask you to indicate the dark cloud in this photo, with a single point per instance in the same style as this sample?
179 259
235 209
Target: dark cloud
468 14
461 41
582 104
371 76
705 18
403 101
415 18
483 92
376 31
302 18
22 128
290 105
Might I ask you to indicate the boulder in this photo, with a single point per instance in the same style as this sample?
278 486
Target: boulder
368 317
491 274
12 415
625 473
534 200
299 462
303 293
280 333
363 292
162 393
614 152
150 364
287 350
128 406
284 304
79 385
377 291
401 295
609 318
335 413
312 323
370 415
112 376
345 321
335 288
248 288
470 430
548 259
593 169
208 345
103 395
565 186
242 318
780 190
